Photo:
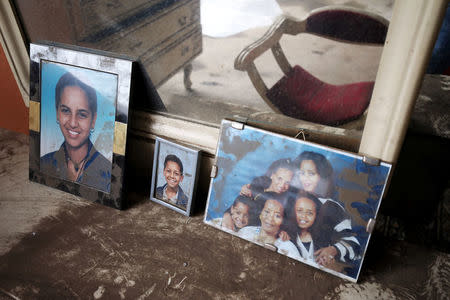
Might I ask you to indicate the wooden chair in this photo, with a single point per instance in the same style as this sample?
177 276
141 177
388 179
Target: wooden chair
299 94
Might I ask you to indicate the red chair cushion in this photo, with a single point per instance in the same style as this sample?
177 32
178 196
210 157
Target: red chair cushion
302 96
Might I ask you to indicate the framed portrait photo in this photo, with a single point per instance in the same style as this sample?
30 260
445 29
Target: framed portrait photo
310 202
174 176
79 103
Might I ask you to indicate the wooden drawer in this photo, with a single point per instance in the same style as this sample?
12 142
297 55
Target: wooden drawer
155 30
164 34
97 20
94 18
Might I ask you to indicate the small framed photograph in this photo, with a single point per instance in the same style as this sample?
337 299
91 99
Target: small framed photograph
310 202
174 176
78 121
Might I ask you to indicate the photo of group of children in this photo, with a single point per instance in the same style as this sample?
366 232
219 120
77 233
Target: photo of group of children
289 195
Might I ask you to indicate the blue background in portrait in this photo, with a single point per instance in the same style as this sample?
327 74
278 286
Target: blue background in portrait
234 172
105 85
189 161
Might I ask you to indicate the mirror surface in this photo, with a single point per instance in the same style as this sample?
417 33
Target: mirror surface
188 48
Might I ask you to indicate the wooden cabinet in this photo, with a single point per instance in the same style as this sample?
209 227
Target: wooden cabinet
165 41
165 35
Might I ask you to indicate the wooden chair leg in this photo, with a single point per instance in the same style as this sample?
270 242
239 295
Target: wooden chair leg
187 77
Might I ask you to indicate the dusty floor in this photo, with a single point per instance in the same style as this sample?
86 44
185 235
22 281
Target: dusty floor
57 246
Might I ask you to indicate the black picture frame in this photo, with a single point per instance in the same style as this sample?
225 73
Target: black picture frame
110 76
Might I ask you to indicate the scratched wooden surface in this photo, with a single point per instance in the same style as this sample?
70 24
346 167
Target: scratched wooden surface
57 246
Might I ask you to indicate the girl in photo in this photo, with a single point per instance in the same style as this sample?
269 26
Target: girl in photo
237 215
277 180
315 176
270 218
308 235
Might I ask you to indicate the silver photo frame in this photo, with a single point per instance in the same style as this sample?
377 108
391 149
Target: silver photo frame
310 202
174 176
79 99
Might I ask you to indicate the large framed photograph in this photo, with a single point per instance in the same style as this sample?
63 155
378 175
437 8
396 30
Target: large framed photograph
78 121
312 203
174 176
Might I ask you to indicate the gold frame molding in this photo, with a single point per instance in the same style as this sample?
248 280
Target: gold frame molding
34 119
120 138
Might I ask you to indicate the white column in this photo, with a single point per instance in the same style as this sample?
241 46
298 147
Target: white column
15 50
410 40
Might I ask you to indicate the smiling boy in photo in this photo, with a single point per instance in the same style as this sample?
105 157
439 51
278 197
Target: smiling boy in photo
173 173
